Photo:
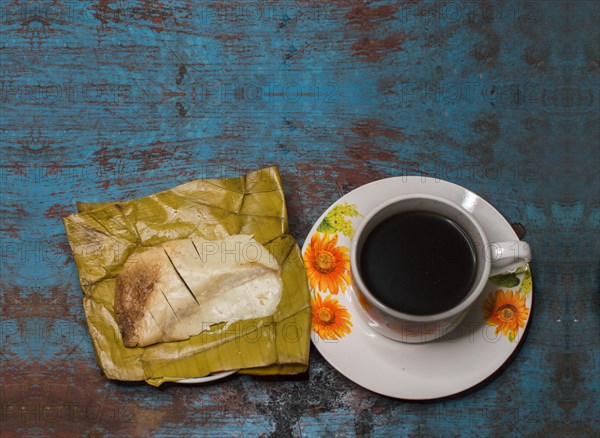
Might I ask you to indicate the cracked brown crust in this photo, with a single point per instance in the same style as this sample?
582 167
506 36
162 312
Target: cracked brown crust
134 286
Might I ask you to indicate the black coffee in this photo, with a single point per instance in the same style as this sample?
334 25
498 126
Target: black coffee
418 262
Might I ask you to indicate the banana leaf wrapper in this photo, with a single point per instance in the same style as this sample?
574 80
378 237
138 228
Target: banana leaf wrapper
103 235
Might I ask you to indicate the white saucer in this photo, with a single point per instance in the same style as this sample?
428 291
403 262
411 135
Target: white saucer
447 366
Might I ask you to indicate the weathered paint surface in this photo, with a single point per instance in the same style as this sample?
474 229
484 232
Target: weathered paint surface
112 99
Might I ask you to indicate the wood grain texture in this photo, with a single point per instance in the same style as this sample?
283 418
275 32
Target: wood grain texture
116 99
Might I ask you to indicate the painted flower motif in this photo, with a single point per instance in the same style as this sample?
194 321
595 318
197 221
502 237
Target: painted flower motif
526 284
337 220
330 320
507 311
327 265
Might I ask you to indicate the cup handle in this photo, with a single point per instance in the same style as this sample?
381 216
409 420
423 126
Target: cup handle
507 257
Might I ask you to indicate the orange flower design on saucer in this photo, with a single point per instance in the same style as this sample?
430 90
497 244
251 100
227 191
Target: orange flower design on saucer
330 320
328 271
327 265
506 310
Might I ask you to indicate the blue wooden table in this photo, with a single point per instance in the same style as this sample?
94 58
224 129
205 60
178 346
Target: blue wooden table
115 99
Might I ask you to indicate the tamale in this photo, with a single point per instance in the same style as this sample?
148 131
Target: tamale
104 236
178 290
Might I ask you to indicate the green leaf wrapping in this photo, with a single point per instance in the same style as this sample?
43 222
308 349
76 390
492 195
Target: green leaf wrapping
102 237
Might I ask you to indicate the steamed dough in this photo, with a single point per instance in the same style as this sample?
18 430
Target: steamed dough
175 291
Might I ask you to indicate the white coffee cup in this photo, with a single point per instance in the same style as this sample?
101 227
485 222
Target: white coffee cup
491 258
